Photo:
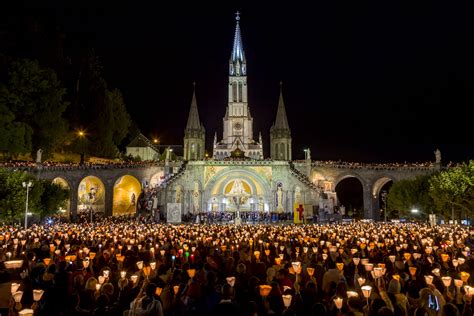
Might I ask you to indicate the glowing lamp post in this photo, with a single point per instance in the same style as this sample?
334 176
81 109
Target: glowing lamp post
27 185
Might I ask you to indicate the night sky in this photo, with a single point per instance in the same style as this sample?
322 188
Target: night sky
363 81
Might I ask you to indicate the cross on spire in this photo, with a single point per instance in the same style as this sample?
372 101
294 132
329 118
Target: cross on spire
237 58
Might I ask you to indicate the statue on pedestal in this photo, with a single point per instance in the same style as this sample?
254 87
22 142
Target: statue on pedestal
178 195
196 194
279 194
39 152
438 156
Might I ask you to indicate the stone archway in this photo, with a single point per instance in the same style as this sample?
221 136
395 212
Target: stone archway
127 189
379 183
66 210
91 194
350 194
217 191
384 182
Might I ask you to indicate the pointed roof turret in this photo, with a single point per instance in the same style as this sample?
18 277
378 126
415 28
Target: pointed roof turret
193 119
281 121
237 58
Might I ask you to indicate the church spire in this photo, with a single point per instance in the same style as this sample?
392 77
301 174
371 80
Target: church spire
281 121
194 134
193 119
238 123
280 134
237 63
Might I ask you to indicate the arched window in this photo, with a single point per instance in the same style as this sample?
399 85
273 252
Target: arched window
234 92
282 151
240 91
193 151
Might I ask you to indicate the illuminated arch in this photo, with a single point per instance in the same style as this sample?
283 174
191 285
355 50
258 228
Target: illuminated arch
346 175
230 184
126 191
379 183
91 193
64 211
253 183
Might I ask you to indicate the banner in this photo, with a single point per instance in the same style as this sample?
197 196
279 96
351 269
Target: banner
173 213
298 213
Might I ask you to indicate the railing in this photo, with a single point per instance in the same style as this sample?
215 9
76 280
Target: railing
373 166
85 166
175 176
303 178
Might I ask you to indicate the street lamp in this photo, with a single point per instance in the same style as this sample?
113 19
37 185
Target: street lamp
82 135
27 186
384 200
414 211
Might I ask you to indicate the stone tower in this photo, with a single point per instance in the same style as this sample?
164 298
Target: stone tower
194 134
280 134
238 123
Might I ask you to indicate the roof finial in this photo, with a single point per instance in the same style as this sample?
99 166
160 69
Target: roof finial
281 83
237 16
194 83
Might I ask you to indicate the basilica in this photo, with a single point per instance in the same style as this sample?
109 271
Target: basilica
237 177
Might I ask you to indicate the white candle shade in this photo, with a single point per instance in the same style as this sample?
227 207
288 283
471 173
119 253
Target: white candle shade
428 279
446 280
366 290
37 294
26 312
287 300
14 287
230 281
17 296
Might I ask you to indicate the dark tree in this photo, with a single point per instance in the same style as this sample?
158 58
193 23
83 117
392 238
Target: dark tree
33 100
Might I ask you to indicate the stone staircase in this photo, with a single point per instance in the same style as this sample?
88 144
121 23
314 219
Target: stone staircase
302 177
175 176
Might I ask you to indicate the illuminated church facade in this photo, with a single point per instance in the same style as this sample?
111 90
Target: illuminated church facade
237 162
236 177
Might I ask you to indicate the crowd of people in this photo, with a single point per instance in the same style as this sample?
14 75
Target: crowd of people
251 217
54 165
133 266
51 165
376 166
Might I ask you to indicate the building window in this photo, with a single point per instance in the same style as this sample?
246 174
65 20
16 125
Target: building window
234 91
240 91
